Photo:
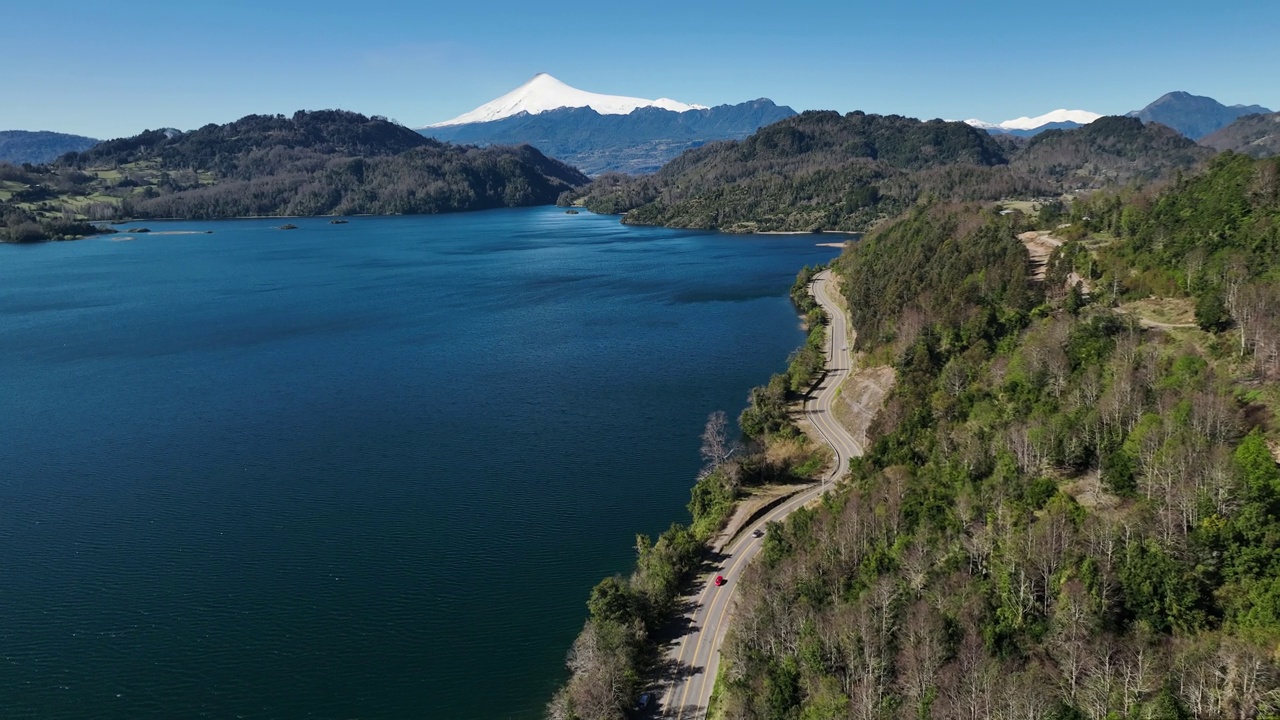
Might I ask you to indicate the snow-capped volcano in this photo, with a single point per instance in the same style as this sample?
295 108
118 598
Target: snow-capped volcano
1057 118
543 93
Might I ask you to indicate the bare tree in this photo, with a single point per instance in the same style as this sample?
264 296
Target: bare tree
716 444
598 689
924 648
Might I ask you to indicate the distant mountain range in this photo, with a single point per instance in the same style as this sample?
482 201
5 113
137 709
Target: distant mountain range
1194 115
1031 126
22 146
603 133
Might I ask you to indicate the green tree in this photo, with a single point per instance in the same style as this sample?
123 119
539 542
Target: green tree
612 601
1211 311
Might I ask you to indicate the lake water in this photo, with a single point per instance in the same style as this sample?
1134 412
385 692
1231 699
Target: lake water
351 471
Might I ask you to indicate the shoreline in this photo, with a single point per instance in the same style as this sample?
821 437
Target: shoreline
799 232
720 549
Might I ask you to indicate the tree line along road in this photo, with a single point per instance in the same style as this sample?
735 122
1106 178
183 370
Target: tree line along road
696 657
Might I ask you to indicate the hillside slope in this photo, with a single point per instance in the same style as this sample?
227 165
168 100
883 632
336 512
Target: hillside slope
1063 514
1108 150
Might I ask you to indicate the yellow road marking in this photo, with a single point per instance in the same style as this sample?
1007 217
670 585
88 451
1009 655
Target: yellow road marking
737 552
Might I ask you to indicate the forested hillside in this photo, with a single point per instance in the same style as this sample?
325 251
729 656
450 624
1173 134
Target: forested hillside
1070 509
818 170
1256 135
1114 150
21 146
313 163
824 171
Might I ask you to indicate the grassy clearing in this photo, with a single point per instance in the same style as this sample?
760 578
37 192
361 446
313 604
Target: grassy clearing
803 457
1098 240
1026 207
1165 311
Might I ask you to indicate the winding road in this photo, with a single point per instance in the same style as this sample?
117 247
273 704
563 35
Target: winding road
695 658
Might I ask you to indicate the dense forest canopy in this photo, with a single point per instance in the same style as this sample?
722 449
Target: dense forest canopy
1070 509
313 163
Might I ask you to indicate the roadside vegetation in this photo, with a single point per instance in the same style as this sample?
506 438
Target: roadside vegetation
1063 514
616 653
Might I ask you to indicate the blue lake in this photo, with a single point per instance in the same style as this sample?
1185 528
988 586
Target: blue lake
352 471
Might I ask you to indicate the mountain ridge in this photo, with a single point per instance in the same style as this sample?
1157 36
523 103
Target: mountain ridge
1195 116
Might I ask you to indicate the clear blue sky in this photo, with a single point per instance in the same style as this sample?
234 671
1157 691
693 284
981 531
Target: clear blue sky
108 69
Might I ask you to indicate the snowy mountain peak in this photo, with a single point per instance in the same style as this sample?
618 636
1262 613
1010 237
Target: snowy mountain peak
543 92
1079 117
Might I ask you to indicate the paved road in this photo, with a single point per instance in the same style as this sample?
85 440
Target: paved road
696 657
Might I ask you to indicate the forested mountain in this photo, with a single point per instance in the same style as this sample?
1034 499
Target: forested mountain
1069 509
1256 135
821 170
1193 115
636 142
313 163
1110 149
813 171
21 146
222 148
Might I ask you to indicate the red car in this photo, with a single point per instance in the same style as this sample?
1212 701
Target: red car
720 580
